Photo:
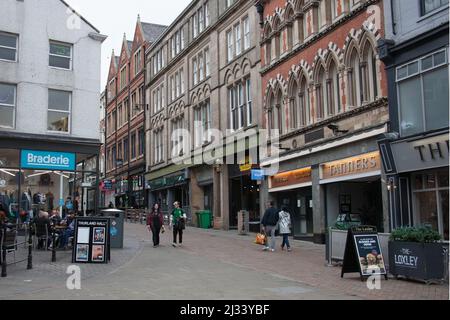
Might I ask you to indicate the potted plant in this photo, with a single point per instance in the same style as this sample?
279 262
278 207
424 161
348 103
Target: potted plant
416 253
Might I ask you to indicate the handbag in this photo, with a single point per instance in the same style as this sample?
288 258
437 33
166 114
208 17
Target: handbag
261 239
180 224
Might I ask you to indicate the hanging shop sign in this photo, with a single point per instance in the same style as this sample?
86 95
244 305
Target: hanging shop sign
257 175
363 253
291 178
92 242
358 165
247 166
46 160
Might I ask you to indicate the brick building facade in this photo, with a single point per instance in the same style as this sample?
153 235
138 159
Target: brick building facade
125 118
324 97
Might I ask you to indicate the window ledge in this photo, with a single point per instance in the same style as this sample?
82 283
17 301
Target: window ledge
432 13
8 61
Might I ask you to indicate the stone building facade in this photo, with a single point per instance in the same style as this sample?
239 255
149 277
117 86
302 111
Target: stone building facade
203 74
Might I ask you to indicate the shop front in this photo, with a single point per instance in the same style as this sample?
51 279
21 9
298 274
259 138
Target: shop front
243 195
60 176
353 191
293 190
168 189
418 175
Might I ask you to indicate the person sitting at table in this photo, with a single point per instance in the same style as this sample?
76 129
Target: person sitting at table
42 223
69 232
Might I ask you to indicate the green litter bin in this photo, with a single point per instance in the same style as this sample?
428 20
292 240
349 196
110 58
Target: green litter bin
205 219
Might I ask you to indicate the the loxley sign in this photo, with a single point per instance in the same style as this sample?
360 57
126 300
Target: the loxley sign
46 160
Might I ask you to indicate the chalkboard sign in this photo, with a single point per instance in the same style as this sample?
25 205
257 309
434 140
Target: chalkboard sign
92 242
363 253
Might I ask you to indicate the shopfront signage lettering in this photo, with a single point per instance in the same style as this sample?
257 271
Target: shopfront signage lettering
291 178
406 261
355 165
43 160
422 154
433 151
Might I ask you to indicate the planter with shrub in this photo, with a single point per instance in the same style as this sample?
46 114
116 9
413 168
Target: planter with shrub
416 253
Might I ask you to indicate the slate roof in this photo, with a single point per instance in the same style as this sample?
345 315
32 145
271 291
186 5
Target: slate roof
152 31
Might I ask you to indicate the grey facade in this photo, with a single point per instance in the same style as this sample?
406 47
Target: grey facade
415 153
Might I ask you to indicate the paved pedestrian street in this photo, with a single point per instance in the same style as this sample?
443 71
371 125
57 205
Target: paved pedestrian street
211 264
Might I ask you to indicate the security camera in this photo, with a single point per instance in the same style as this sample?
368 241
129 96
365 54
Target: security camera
333 127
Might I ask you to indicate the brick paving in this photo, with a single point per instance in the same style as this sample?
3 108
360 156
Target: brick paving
210 265
306 264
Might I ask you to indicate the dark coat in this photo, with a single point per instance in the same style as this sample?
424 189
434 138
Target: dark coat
271 217
152 215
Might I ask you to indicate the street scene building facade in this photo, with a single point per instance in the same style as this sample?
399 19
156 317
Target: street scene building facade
415 153
325 92
196 83
49 95
125 116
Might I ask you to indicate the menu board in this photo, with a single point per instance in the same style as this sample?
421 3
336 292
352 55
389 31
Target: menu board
363 253
92 243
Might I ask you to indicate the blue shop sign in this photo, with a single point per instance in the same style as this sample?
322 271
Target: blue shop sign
46 160
257 175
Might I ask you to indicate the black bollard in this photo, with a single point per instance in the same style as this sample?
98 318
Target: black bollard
30 248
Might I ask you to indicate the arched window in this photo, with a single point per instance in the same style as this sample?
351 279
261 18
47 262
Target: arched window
303 102
271 108
290 32
353 79
278 38
369 74
333 89
300 21
268 46
321 88
279 112
293 105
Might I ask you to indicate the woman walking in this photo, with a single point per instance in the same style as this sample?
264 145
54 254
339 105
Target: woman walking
178 222
155 223
285 228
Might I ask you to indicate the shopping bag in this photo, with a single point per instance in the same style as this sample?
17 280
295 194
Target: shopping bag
260 239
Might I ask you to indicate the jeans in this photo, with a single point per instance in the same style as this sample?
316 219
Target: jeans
156 231
65 237
270 230
180 233
286 241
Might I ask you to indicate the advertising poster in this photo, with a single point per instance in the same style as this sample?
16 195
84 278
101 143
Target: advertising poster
99 236
83 235
98 253
370 255
82 254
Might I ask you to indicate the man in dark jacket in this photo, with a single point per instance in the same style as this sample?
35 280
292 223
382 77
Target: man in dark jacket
269 222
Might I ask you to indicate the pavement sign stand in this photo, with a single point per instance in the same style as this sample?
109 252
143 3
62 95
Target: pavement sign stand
363 253
92 240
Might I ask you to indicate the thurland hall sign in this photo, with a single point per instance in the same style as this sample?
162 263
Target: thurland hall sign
365 163
421 154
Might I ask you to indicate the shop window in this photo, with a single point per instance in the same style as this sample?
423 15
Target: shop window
423 94
59 108
60 55
7 105
431 200
8 47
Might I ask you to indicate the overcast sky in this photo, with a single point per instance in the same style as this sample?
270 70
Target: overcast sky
113 18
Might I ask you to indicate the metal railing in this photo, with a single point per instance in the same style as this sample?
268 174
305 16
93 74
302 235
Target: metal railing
10 244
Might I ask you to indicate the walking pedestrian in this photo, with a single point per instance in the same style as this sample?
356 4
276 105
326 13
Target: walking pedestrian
270 222
285 228
178 222
155 223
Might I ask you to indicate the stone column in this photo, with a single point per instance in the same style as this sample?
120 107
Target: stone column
318 194
225 198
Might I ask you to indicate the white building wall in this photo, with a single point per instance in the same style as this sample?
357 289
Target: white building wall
36 23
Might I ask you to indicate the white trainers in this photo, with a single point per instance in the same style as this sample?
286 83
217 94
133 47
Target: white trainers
266 249
174 245
272 250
